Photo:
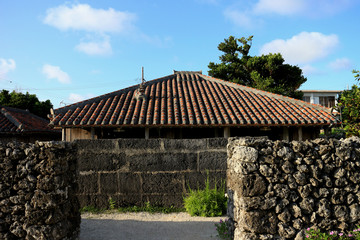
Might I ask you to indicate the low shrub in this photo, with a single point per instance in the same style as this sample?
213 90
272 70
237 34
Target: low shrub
223 230
207 202
315 234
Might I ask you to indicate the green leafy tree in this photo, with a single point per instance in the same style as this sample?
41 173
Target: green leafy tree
265 72
25 101
349 107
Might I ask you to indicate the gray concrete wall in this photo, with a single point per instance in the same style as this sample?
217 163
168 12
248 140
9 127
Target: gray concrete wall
136 171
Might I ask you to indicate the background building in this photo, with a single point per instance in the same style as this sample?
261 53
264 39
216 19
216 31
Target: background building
326 98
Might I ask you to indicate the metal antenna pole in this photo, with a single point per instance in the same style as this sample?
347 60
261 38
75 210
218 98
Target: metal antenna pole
142 75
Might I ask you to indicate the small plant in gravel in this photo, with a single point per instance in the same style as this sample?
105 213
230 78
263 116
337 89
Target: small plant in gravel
207 202
146 208
151 209
315 234
111 203
223 230
91 209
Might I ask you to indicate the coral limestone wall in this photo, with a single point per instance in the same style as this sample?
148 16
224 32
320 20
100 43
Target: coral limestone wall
278 188
38 191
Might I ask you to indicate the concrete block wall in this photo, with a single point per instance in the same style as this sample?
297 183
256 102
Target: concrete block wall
136 171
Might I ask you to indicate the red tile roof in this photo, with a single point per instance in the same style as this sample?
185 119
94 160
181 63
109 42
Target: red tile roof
191 99
13 120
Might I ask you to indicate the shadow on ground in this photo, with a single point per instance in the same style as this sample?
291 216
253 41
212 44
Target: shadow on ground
99 229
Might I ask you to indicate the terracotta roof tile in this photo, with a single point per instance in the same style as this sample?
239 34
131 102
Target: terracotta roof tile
191 99
14 120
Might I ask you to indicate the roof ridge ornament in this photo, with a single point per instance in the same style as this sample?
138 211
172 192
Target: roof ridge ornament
140 92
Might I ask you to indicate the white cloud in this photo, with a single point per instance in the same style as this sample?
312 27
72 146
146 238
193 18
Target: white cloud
250 13
303 48
341 64
95 22
54 72
73 97
7 65
327 7
84 17
281 7
98 24
95 48
310 70
242 19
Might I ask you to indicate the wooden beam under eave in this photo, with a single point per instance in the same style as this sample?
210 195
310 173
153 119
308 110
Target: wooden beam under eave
63 134
300 133
147 133
286 136
226 132
92 131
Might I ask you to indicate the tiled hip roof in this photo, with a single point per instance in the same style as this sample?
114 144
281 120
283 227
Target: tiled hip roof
13 120
191 99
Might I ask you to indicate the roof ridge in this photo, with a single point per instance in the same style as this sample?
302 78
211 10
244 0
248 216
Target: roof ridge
114 93
23 111
268 94
193 72
11 118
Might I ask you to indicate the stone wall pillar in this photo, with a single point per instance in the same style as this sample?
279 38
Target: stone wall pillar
277 189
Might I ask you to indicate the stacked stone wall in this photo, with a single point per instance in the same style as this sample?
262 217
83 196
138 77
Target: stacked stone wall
38 191
277 189
136 171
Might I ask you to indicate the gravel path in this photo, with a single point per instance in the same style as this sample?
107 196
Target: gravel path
147 226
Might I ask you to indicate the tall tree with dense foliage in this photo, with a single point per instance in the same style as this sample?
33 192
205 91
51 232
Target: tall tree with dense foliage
25 101
349 107
265 72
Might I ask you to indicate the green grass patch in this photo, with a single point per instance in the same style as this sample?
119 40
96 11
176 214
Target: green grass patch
207 202
146 208
91 209
151 209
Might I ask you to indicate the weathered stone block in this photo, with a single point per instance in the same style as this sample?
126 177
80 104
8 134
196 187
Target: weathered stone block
341 212
88 183
286 231
109 183
134 199
154 144
184 144
163 162
244 154
89 161
95 146
285 153
129 183
170 183
212 160
258 222
354 212
251 185
217 143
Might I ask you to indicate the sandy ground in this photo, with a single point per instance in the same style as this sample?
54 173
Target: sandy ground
147 226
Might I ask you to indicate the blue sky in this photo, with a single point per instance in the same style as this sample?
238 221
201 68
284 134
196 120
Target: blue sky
68 51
